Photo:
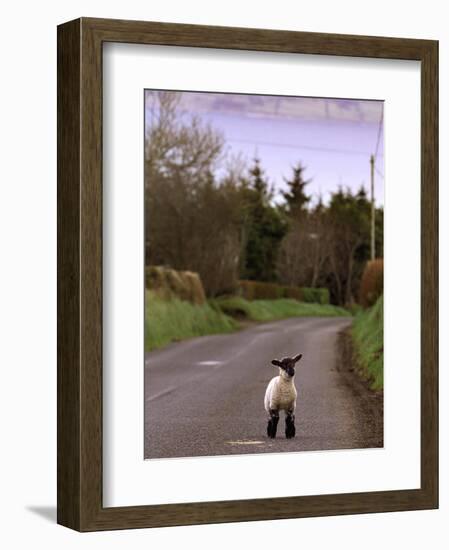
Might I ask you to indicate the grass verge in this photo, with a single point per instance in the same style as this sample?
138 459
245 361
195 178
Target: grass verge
173 320
368 339
271 310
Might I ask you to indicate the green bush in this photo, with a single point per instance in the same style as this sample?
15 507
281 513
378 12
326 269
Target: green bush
315 295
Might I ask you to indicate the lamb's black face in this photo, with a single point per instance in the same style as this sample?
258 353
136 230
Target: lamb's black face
287 364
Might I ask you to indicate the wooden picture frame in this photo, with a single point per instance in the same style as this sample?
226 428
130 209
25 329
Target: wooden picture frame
80 503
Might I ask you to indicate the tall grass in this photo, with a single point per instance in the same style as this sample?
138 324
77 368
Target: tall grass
270 310
172 320
368 337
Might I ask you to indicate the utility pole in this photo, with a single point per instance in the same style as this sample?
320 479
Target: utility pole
373 241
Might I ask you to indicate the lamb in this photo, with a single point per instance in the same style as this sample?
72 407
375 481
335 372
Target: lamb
281 395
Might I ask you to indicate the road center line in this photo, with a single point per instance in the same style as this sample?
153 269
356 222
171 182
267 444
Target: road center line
161 393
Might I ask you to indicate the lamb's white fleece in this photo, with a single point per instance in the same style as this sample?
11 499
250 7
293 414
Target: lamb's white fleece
281 393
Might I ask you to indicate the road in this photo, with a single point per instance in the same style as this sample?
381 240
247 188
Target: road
205 396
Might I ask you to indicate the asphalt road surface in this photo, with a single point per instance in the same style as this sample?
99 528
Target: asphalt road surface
204 396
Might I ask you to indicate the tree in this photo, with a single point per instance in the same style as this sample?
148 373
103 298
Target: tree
190 216
305 249
320 236
379 232
296 200
264 228
259 183
208 212
348 219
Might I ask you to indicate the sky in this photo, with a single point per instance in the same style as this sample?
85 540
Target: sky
332 138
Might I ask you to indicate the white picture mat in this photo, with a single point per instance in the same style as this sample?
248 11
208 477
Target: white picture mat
128 478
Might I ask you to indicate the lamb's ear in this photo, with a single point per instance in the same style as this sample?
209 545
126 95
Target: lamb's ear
276 363
297 358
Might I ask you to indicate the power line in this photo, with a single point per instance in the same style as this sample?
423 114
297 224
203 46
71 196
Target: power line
375 169
379 172
300 146
379 131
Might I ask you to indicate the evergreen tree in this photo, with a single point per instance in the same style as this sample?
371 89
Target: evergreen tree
362 195
295 197
265 228
258 182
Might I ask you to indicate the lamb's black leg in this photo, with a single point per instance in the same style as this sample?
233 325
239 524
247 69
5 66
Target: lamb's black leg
272 423
290 429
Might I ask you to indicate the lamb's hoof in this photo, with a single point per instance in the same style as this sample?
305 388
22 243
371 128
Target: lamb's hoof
271 430
290 432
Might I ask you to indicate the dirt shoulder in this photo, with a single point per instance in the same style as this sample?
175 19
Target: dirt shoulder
369 403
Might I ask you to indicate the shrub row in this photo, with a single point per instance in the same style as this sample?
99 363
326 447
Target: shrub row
186 285
270 310
256 290
169 283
